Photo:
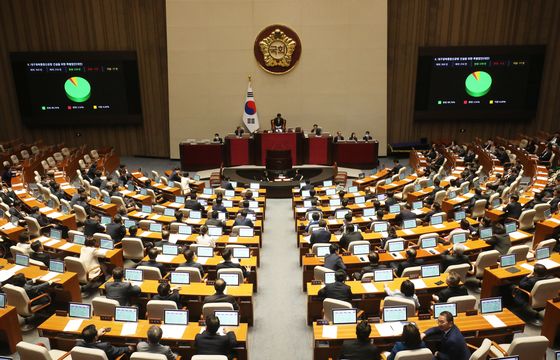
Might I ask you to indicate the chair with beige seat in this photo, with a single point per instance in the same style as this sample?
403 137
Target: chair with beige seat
330 304
209 357
319 273
418 354
481 353
84 353
526 220
400 301
194 273
461 269
155 308
527 348
483 260
520 252
464 303
150 272
147 356
133 249
17 297
103 306
28 351
210 308
236 271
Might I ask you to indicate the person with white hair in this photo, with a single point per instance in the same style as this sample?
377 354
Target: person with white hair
454 256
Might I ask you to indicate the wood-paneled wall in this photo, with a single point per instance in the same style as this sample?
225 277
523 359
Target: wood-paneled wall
90 25
416 23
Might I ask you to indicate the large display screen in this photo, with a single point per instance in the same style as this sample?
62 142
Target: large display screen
478 82
77 88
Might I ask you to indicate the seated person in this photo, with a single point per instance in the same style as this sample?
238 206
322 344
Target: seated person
396 167
500 240
410 261
320 235
192 204
38 253
90 339
316 130
239 131
362 347
219 296
42 219
528 283
278 123
120 290
464 226
452 344
338 137
349 236
218 205
116 229
242 219
153 346
34 289
314 221
353 137
217 139
454 257
371 267
333 260
228 264
205 239
390 200
214 221
513 209
164 292
407 291
211 343
152 256
23 243
92 225
338 289
453 288
189 261
367 136
410 340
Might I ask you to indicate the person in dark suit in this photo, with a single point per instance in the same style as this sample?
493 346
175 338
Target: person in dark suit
116 229
228 264
338 137
333 260
7 196
371 267
211 343
164 292
119 290
92 225
42 219
239 131
555 200
367 137
189 261
192 204
361 348
500 240
38 254
219 296
410 340
454 257
514 208
452 344
217 139
214 221
453 288
7 175
152 256
315 217
338 289
90 339
409 262
242 219
153 346
430 198
406 213
16 211
278 123
528 283
218 206
320 235
390 200
349 236
546 155
396 167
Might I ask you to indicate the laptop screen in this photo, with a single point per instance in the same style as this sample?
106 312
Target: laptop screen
344 316
441 307
396 246
107 199
253 204
180 199
126 313
180 277
146 209
129 223
215 231
105 220
495 203
229 193
394 313
417 205
106 244
156 227
381 197
305 193
459 215
227 203
359 200
542 253
361 249
202 202
169 249
430 270
486 233
246 232
222 216
340 214
513 357
380 227
383 275
507 260
369 212
233 184
353 189
510 227
547 213
56 266
79 310
417 187
459 238
22 260
2 300
394 209
428 243
452 195
327 183
185 230
329 277
491 305
193 214
323 250
254 186
228 317
307 204
204 251
207 191
241 253
556 355
334 202
230 279
56 234
409 224
169 212
79 239
330 192
436 220
133 275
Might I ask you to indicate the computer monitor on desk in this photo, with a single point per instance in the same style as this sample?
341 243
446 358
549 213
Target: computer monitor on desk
394 313
126 313
79 310
228 317
441 307
344 316
383 275
491 305
176 317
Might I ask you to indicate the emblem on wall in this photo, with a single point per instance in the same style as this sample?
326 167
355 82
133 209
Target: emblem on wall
277 49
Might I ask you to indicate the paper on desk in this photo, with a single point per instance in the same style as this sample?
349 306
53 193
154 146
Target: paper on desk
19 192
44 209
52 242
494 321
369 287
66 246
549 264
129 328
7 226
361 205
202 260
55 214
145 233
173 238
419 283
73 325
527 266
102 252
232 239
408 232
386 329
384 234
397 255
516 235
165 258
5 275
330 331
557 221
29 199
440 226
418 211
49 276
136 283
332 221
174 331
155 217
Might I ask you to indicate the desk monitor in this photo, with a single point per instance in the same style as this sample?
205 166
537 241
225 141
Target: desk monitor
495 203
229 193
133 275
107 199
417 187
396 246
196 177
430 183
388 181
380 227
307 204
64 208
22 260
428 243
464 190
156 227
417 205
344 316
369 212
394 313
106 244
254 186
327 183
383 275
253 204
185 230
79 239
168 249
214 231
381 197
194 214
430 270
222 216
55 234
227 203
507 260
556 355
542 253
510 227
486 233
451 195
94 193
513 357
491 305
171 183
323 250
56 266
230 279
353 189
340 214
547 214
330 277
130 187
334 202
459 215
394 209
105 220
459 238
436 220
402 176
409 224
129 223
126 313
180 199
246 232
441 307
180 277
361 249
79 310
233 184
204 251
2 300
359 199
305 193
227 317
146 209
169 212
207 191
241 253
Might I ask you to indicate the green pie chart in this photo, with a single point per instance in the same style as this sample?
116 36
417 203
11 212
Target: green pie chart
77 89
478 83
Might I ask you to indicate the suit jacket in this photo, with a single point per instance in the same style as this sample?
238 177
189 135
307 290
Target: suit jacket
221 208
371 268
545 156
193 205
322 236
407 214
214 222
116 231
41 219
172 296
358 350
91 227
334 262
451 291
513 210
195 265
111 351
336 290
448 260
231 265
500 242
155 264
42 257
452 344
390 201
219 298
408 263
347 238
120 291
214 344
156 349
240 220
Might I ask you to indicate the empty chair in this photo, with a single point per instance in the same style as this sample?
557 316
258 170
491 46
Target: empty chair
103 306
210 308
194 273
526 220
399 301
319 273
147 356
94 154
542 291
392 241
150 272
80 212
17 250
461 269
155 308
482 352
72 233
14 159
209 357
133 248
84 353
237 271
145 224
155 175
158 209
28 351
58 156
33 226
35 150
412 271
464 303
87 159
527 348
51 161
24 154
45 166
117 200
548 243
484 260
478 209
330 304
440 196
65 151
540 209
151 193
82 164
17 297
402 196
418 354
236 228
99 236
54 202
520 252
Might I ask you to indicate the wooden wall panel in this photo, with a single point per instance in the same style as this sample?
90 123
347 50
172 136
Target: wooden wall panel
416 23
91 25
